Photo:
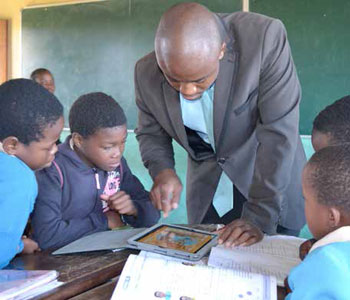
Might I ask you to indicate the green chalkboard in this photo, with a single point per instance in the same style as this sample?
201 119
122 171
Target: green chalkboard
318 32
94 46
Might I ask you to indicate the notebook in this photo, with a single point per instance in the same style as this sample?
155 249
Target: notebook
21 284
274 255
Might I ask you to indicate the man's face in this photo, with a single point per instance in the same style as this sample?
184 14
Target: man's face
191 76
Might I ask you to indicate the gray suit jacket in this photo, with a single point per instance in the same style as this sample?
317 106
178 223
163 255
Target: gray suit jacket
256 118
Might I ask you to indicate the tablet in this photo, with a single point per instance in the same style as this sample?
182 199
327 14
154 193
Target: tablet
181 242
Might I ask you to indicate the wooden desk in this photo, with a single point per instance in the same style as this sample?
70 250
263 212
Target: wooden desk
89 275
102 292
79 272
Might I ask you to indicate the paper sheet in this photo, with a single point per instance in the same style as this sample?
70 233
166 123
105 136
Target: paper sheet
274 255
105 240
154 278
40 290
17 284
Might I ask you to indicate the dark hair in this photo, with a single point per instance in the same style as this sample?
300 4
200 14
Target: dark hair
335 120
39 72
26 109
95 111
330 176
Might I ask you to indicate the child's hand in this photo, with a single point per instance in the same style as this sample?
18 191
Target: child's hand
29 246
121 203
113 219
286 285
305 248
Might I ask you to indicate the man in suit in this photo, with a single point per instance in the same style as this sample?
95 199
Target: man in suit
225 88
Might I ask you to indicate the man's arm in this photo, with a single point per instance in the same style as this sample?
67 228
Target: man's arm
155 144
277 132
157 153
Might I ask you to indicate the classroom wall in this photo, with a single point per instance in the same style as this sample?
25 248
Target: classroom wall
11 10
94 46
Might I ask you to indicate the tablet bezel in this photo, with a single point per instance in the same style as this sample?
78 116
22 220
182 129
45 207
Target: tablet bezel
133 241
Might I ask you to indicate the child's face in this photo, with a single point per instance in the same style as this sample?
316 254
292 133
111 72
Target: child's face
319 140
317 215
40 154
47 81
104 149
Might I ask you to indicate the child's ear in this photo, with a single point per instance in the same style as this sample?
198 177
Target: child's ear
10 145
77 139
334 217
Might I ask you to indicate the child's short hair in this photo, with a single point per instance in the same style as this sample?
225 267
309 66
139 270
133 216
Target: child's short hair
38 72
330 176
335 120
95 111
26 109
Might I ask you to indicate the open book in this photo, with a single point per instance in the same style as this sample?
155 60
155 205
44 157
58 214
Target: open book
21 284
274 255
151 277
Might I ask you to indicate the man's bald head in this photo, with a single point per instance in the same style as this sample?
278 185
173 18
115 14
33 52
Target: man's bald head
190 30
189 43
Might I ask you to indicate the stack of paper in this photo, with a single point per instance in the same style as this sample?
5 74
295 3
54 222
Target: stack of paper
146 277
274 255
20 284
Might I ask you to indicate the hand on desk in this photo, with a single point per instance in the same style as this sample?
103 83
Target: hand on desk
113 219
286 285
305 248
121 203
166 191
29 246
239 233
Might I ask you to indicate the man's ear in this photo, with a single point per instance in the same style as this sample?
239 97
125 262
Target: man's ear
334 217
77 140
10 145
222 50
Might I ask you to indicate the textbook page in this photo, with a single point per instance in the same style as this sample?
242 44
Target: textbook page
274 255
153 278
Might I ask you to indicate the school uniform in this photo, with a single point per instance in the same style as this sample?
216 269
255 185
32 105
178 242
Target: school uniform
18 190
325 272
69 206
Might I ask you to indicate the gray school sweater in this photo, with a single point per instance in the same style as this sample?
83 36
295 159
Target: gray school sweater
69 207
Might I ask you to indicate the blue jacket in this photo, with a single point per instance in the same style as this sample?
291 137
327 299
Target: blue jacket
324 274
18 190
69 207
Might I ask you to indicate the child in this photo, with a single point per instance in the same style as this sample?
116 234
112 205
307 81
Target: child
31 120
332 125
44 78
90 187
324 273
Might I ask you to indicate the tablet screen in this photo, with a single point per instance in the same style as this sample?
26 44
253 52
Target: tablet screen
176 238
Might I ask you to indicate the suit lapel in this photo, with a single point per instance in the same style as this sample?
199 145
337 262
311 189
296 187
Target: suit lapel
223 93
173 106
